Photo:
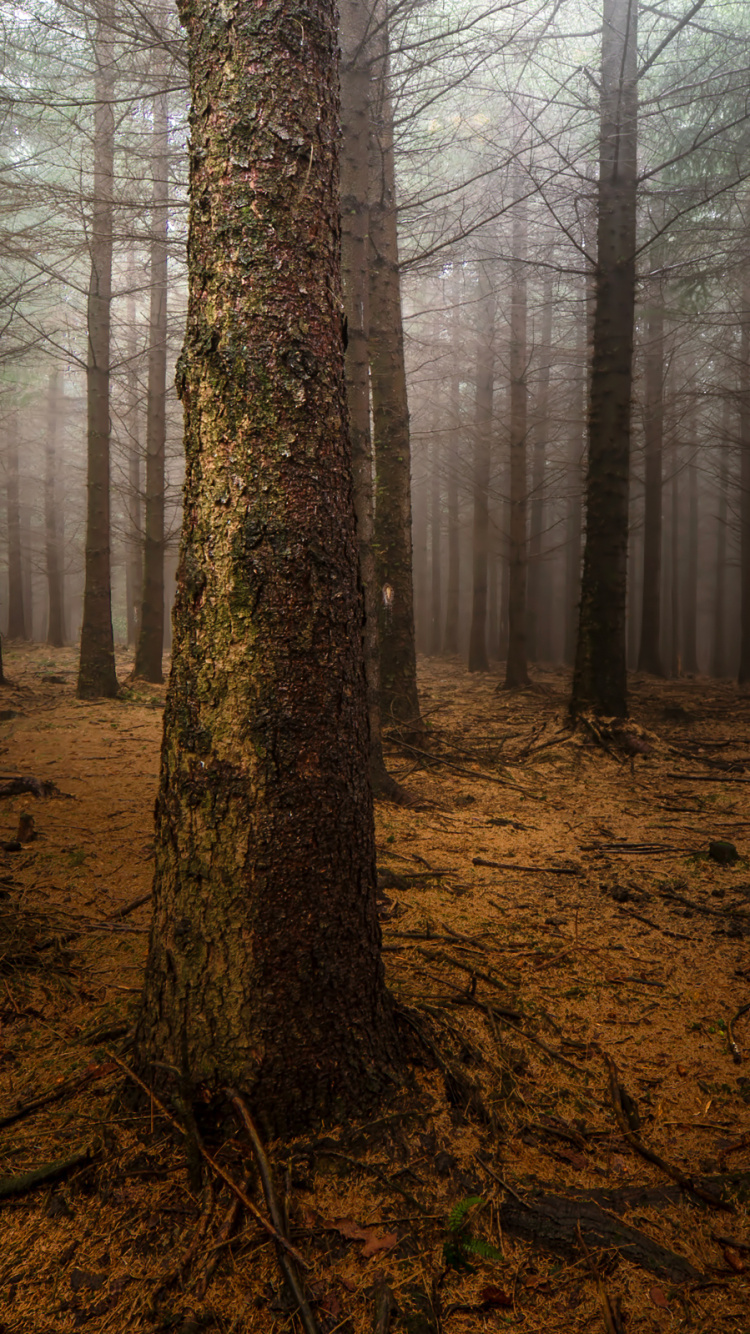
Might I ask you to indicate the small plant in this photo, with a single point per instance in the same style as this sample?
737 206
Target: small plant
459 1245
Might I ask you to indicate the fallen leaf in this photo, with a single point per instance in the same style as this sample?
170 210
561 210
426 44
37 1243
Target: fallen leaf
658 1298
374 1241
681 1070
496 1298
734 1261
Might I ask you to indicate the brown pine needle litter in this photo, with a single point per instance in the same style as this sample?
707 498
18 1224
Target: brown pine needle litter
572 976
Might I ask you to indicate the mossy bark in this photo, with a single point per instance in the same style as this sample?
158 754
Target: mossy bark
600 674
264 966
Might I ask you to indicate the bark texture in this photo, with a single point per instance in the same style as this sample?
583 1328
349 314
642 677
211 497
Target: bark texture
718 648
134 540
53 552
600 674
537 639
150 646
96 670
744 424
390 413
264 964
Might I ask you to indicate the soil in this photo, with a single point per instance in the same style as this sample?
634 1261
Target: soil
566 937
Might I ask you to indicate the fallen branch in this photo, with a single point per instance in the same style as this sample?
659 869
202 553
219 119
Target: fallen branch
470 773
38 787
97 926
736 1053
384 1306
684 1182
612 1316
516 866
39 1176
708 778
676 935
66 1090
287 1268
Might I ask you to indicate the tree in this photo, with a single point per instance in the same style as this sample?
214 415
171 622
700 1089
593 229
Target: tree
485 372
96 670
264 964
649 654
52 519
516 670
17 628
599 680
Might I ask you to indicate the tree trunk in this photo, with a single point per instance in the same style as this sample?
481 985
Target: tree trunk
574 481
56 609
690 644
478 659
649 654
17 628
264 967
541 431
390 415
600 677
718 651
744 423
150 647
516 670
354 183
96 671
435 525
675 663
450 640
134 540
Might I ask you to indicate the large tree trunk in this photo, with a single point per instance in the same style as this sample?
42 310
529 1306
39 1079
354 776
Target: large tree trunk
649 654
17 628
96 671
485 368
354 184
55 593
264 966
744 423
600 676
390 415
718 648
150 647
536 599
516 670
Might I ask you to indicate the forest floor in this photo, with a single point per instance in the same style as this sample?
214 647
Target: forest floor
574 1153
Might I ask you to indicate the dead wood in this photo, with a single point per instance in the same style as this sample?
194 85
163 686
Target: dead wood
58 1094
384 1306
40 1176
736 1053
612 1314
38 787
515 866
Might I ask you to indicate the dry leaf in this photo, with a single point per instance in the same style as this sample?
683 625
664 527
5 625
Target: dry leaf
495 1297
734 1261
374 1241
658 1298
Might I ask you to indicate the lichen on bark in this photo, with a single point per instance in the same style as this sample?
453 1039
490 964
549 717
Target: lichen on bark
264 966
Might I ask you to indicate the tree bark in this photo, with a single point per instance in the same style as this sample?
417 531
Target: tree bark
150 647
354 186
390 413
17 628
435 544
690 643
96 670
264 966
649 653
600 676
744 424
485 370
516 669
450 639
55 595
537 572
675 657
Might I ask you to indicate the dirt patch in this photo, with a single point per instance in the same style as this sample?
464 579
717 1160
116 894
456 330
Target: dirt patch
567 958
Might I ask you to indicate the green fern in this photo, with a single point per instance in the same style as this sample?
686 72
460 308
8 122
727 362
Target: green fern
476 1246
456 1218
459 1244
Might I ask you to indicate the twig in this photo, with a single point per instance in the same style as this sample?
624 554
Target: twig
94 926
736 1053
674 1173
611 1316
217 1168
676 935
225 1231
57 1095
708 778
516 866
384 1307
287 1268
376 1172
470 773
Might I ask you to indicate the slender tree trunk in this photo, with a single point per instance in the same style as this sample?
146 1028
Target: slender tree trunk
690 654
744 424
390 415
150 646
541 431
96 671
264 968
56 610
676 617
649 655
450 641
516 670
435 553
574 482
17 628
478 658
718 652
134 541
600 676
355 129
